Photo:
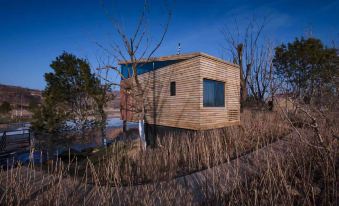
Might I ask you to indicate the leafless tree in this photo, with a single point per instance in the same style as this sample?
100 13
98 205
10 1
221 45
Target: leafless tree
254 56
260 80
82 108
102 96
136 49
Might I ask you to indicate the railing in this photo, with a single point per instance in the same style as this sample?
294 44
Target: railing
18 138
13 126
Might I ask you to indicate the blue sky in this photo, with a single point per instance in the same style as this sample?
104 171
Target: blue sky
34 32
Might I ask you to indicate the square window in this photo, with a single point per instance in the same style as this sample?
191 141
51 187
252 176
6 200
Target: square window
214 93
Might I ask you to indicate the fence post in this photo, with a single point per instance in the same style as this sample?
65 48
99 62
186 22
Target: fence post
3 142
29 137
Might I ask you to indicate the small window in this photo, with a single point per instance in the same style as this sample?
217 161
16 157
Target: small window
173 92
214 93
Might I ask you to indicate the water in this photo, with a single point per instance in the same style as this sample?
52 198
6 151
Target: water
117 122
56 150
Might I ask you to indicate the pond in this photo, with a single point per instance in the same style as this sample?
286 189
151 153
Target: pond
117 122
51 147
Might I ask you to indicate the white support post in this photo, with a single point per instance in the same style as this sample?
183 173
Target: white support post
142 134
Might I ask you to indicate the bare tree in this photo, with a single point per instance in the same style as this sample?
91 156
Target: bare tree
102 96
260 81
137 49
247 50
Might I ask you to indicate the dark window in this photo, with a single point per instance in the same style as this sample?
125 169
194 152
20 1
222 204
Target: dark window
173 89
127 71
214 93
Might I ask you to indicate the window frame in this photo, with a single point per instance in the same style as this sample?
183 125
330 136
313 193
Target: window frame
215 96
173 88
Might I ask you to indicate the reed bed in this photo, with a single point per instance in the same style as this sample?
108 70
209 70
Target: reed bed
306 173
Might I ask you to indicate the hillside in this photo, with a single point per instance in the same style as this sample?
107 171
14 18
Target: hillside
18 96
15 94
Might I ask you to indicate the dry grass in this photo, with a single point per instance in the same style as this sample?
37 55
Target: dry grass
183 153
305 175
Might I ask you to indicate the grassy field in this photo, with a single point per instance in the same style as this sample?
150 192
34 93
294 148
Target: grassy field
307 175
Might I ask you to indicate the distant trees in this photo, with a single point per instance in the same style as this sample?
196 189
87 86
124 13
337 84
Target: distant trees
70 97
308 68
5 107
305 67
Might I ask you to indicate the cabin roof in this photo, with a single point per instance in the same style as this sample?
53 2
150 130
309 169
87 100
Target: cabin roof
179 57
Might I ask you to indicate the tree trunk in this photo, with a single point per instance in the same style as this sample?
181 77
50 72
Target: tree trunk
103 126
145 139
124 126
243 94
243 83
103 135
142 128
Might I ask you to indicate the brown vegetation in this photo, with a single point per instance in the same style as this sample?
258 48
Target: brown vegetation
305 175
183 153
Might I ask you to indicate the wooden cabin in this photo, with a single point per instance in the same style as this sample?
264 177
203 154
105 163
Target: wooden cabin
192 91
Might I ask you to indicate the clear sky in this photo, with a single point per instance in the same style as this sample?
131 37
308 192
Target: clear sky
34 32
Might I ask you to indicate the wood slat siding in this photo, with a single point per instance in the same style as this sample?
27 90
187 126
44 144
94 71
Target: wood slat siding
185 109
217 117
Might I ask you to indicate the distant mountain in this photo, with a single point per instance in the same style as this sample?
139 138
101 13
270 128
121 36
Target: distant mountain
16 95
12 94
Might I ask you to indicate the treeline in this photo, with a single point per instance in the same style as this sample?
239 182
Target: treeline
305 68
